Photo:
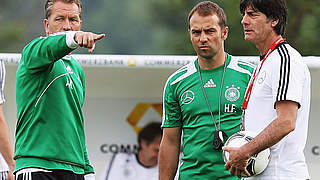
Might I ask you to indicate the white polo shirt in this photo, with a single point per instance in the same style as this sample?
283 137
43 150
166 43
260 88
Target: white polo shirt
3 164
125 166
283 77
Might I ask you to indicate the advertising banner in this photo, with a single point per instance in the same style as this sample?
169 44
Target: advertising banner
124 93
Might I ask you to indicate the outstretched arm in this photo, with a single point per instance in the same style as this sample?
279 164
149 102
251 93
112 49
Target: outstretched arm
42 52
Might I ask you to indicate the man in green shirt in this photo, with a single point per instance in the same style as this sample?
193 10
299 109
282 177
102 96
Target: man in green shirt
202 101
50 91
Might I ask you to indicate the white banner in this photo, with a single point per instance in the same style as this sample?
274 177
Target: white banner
121 98
146 61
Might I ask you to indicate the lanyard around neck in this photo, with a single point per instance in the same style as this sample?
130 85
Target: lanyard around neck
248 92
205 95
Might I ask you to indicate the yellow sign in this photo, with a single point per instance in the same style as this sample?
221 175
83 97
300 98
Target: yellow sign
139 111
132 61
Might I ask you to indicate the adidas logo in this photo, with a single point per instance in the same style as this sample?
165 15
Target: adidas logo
210 84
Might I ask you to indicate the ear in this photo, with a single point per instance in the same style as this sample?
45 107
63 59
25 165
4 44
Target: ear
225 32
46 26
143 144
274 22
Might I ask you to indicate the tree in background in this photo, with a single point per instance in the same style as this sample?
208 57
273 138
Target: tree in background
304 25
153 26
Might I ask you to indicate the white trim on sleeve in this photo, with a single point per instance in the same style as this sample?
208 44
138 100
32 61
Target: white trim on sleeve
71 43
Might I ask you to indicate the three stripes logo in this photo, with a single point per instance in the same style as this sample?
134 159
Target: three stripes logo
210 84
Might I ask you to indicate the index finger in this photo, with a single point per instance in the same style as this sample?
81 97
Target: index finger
100 36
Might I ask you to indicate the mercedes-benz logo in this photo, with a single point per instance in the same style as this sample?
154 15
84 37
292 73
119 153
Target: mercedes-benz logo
262 77
187 97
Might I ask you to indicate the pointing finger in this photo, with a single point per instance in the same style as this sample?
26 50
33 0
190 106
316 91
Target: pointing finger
100 36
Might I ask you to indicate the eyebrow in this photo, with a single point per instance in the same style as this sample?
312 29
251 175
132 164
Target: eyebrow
199 29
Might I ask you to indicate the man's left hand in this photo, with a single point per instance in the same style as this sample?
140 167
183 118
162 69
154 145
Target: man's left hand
237 161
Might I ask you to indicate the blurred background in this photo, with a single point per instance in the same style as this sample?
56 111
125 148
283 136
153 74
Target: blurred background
121 96
152 26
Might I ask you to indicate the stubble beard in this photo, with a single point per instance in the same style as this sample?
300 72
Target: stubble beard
206 54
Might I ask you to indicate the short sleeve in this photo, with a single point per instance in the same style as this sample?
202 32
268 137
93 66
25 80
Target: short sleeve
288 77
171 108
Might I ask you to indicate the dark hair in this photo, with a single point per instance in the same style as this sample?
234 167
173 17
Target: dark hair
49 4
207 8
150 132
273 9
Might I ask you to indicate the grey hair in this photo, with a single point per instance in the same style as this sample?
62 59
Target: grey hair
49 5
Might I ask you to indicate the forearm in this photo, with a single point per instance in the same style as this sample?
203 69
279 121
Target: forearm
276 130
5 145
271 135
168 160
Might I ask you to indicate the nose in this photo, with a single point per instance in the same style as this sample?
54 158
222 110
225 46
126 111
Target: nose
67 25
244 20
203 37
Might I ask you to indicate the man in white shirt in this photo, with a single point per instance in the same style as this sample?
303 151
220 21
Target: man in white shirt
144 164
277 101
6 153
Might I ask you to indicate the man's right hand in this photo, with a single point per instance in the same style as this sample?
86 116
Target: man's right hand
87 39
